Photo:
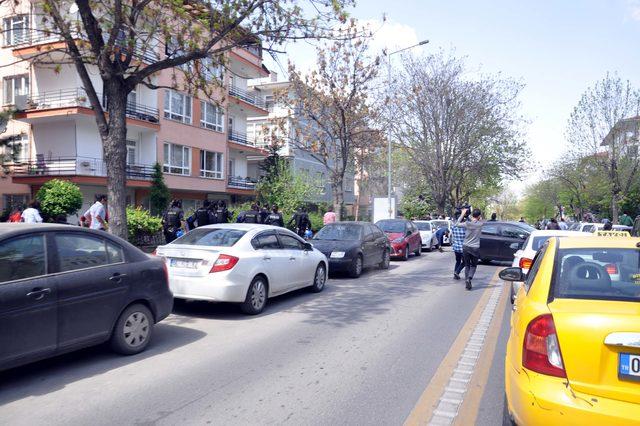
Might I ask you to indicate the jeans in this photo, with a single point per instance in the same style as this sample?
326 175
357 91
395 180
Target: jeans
470 255
459 263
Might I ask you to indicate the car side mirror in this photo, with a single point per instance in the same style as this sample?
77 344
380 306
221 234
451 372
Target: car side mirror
408 233
512 274
308 247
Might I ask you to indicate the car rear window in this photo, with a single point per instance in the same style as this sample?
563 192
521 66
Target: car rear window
607 274
538 242
213 237
340 232
395 226
423 226
440 223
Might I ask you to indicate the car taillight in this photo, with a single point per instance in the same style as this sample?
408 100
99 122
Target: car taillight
541 350
224 263
611 269
525 263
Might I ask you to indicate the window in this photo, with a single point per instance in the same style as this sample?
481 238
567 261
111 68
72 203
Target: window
21 258
77 251
177 159
177 106
211 237
115 253
211 164
15 86
211 69
537 260
291 243
514 232
269 102
16 29
131 152
211 116
489 229
267 240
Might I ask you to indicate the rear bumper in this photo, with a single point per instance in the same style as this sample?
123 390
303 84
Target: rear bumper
536 399
214 287
163 305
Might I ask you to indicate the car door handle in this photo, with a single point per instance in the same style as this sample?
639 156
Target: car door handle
266 258
292 258
38 293
117 277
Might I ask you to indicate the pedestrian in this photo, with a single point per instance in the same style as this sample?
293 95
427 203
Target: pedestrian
553 225
249 216
607 225
173 221
625 220
16 215
212 212
264 213
275 218
440 234
202 214
32 213
522 220
494 217
329 216
471 244
563 225
301 221
222 214
458 234
97 213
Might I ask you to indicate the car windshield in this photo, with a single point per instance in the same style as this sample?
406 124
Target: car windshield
213 237
538 242
339 232
609 274
423 226
440 223
394 226
575 226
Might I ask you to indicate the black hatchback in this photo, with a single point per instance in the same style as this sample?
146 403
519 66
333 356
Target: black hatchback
500 240
63 288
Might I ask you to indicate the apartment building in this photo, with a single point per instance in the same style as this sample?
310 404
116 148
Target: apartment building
283 122
200 143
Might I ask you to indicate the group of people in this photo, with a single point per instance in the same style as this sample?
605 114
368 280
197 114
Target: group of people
174 223
300 219
466 244
95 217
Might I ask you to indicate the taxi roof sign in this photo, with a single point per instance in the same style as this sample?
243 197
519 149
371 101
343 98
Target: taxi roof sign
612 234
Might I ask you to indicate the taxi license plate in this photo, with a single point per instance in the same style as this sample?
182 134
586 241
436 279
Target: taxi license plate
183 263
629 366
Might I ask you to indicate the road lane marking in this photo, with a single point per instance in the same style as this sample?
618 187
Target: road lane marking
468 412
440 384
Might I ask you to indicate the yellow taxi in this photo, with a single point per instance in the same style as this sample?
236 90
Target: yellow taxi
573 355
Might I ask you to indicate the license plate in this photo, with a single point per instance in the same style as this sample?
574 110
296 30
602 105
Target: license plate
183 263
629 365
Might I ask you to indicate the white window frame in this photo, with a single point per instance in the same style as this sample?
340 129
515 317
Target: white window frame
9 88
218 162
210 70
176 169
178 106
132 152
218 116
11 27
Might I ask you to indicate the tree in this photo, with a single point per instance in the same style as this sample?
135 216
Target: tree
332 105
59 197
118 40
159 195
463 132
286 189
604 128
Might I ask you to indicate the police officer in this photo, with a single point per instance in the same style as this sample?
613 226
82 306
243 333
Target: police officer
222 214
275 218
172 221
213 208
264 213
249 216
202 214
301 220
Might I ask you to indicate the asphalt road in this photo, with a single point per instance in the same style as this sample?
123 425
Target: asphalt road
361 352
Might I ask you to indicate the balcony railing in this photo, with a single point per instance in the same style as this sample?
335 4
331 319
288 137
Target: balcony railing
74 166
239 137
241 183
249 97
77 97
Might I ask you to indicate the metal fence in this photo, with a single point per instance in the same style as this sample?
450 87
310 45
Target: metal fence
73 166
249 97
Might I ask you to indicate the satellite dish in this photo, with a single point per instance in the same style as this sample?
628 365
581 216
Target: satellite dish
73 8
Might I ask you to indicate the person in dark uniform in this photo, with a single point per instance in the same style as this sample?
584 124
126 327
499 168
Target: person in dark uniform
202 214
222 214
172 221
213 208
264 213
249 216
275 218
300 220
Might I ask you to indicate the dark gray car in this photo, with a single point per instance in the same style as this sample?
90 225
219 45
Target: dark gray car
63 288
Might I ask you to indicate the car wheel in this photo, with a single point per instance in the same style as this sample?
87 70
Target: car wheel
507 420
405 257
256 298
319 279
356 267
386 260
133 330
418 252
430 249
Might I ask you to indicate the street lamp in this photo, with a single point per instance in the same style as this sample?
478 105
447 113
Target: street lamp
423 42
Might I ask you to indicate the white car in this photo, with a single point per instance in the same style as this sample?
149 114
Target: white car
427 234
523 258
242 263
442 223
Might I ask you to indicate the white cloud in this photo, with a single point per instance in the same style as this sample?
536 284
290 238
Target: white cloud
634 9
390 35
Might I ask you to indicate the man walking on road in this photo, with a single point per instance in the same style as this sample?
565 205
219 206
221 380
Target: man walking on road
458 233
471 244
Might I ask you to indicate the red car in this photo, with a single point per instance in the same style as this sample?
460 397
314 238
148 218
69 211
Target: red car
404 237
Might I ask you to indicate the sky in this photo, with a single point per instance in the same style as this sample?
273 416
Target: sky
557 49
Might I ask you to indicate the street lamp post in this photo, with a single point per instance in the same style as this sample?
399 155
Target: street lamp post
423 42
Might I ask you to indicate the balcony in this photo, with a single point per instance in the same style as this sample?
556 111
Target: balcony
241 183
73 166
77 98
252 98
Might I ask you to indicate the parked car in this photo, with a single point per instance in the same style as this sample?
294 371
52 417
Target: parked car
404 237
427 234
442 223
500 240
353 246
594 227
242 263
573 348
523 258
63 288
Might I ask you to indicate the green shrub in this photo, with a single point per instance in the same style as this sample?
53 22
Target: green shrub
316 221
140 222
59 197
